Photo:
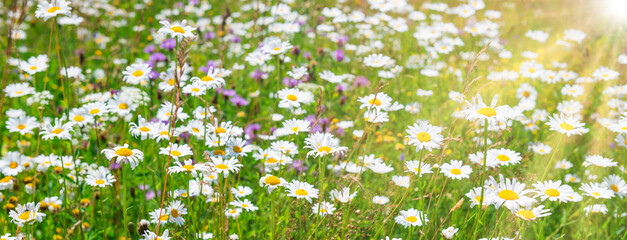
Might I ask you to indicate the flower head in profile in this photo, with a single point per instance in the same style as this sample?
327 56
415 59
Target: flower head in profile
477 110
322 144
58 130
411 218
177 30
566 125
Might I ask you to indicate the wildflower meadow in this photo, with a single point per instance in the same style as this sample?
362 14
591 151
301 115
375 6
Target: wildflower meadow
313 119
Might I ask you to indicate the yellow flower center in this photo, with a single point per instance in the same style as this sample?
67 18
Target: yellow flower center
552 192
13 165
292 97
271 160
124 152
79 118
614 188
123 106
171 82
295 129
508 195
456 171
21 126
196 130
177 29
19 92
596 194
325 149
195 89
277 49
144 129
33 67
57 131
100 181
220 130
301 192
375 102
25 215
532 70
163 217
423 137
411 219
487 111
175 153
222 166
138 73
526 93
566 126
53 9
237 149
526 214
188 168
219 152
502 158
94 111
174 212
206 79
272 180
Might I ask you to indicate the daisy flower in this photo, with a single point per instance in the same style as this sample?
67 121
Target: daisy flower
225 166
449 232
456 170
137 73
176 210
301 190
343 195
381 200
101 177
530 214
566 125
510 193
475 196
323 209
187 167
616 184
272 182
141 129
322 144
504 156
379 101
276 46
123 154
18 90
59 130
553 191
424 136
417 167
411 218
599 161
176 151
377 60
47 10
27 213
244 204
176 30
241 191
477 110
295 126
212 80
596 190
293 98
401 181
148 235
22 124
596 208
